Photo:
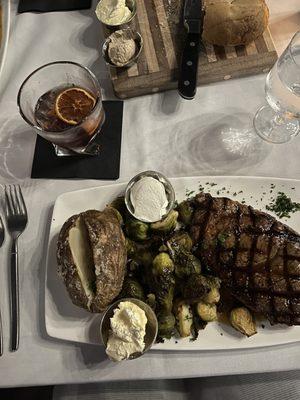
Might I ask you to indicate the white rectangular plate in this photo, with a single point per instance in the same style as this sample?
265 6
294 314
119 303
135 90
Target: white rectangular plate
5 4
68 322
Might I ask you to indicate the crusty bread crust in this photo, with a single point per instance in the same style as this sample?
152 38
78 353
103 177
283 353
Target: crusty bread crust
234 22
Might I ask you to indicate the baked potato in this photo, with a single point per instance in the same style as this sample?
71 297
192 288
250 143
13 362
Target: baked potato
91 255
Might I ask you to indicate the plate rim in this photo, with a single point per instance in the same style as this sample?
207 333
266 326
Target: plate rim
156 347
6 8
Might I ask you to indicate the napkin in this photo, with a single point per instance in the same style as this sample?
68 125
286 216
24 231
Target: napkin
52 5
104 166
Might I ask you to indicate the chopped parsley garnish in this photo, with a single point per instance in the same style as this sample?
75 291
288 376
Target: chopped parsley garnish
189 193
282 206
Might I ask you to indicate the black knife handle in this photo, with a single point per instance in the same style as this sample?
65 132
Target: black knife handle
187 82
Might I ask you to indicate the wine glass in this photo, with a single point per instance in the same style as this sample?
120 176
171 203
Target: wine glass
279 121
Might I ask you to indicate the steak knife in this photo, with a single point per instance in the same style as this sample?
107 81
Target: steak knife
193 21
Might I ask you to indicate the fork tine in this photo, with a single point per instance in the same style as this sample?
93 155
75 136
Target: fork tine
13 199
9 207
16 198
21 201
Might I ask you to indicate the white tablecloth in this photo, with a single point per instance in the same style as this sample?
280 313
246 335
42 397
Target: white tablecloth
160 132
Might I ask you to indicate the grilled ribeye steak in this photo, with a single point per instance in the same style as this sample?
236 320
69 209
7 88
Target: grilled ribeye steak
256 256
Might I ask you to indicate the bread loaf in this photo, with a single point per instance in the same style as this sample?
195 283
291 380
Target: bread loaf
234 22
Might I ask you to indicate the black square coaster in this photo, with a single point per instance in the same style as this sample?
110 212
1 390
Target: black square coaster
105 166
52 5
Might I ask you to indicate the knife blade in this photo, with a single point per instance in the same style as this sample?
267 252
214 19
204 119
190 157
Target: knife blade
193 21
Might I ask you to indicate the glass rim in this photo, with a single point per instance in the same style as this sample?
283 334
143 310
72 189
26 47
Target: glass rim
290 45
92 75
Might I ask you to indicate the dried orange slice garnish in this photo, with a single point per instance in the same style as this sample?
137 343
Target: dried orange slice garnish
73 105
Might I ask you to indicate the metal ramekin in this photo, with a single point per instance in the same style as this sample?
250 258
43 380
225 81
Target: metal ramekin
139 47
161 178
131 4
151 326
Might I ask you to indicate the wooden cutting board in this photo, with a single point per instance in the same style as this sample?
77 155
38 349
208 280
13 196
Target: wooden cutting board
159 22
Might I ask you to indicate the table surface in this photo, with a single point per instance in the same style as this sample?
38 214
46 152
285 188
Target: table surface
161 132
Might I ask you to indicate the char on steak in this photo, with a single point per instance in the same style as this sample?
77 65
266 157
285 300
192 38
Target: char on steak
256 257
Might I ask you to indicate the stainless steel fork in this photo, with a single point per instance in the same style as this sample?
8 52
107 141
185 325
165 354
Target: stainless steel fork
16 216
2 235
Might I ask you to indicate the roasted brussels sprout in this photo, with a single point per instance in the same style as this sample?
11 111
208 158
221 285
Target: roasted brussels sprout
163 281
196 287
137 230
151 300
119 205
207 312
161 263
181 240
166 225
186 265
184 316
185 212
132 288
198 323
131 247
132 267
213 296
242 320
139 253
166 324
144 257
185 262
163 248
164 290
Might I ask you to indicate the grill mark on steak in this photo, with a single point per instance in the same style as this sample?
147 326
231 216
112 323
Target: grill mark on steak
237 242
217 243
252 251
206 218
287 278
268 268
259 261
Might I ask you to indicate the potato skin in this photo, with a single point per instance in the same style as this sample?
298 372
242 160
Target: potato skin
109 253
107 242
